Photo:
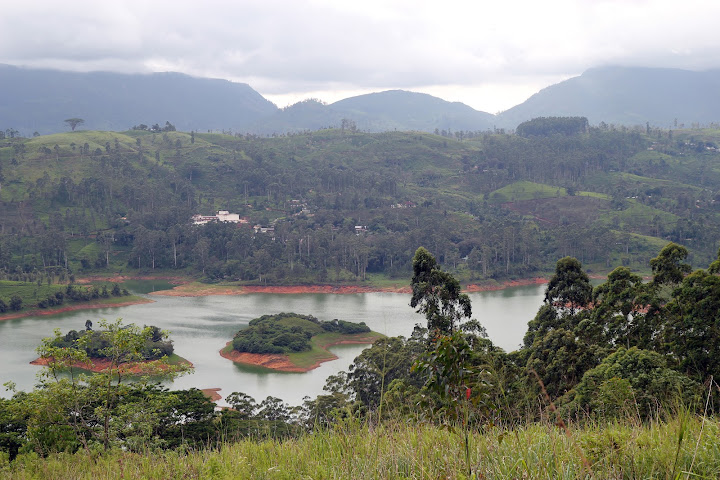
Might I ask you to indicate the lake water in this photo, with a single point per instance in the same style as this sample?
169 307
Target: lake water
201 326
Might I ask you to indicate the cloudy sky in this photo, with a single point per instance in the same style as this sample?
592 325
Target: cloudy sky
489 55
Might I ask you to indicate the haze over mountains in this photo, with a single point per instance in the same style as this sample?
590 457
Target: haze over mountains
39 100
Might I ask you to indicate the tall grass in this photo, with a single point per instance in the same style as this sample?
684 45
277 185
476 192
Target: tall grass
414 451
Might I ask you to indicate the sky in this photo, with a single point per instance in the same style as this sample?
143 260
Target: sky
489 55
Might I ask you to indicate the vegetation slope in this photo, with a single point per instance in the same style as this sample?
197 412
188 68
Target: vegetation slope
339 205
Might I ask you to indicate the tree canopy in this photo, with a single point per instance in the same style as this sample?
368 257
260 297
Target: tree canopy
436 294
74 122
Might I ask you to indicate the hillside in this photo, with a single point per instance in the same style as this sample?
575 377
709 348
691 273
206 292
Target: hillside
337 206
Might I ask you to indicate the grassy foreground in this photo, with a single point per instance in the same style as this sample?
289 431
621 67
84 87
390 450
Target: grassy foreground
685 447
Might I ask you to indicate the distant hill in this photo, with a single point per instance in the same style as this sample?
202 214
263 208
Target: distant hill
378 112
627 96
39 100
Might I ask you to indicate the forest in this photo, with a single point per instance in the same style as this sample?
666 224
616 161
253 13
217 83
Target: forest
340 205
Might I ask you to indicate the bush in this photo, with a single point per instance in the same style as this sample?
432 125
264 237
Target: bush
16 303
632 381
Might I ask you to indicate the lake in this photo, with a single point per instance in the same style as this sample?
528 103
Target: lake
201 326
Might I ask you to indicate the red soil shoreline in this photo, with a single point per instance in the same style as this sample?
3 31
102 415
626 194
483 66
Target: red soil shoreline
122 278
281 362
100 365
70 308
212 393
180 291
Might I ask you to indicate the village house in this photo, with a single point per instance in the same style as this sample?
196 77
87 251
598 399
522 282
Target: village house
222 216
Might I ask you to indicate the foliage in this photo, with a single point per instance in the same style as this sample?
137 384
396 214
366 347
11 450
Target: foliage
667 267
569 287
633 382
97 343
463 387
388 359
436 294
548 126
68 412
621 310
74 122
105 201
288 333
691 335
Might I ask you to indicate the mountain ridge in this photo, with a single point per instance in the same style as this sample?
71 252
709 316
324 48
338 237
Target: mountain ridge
41 99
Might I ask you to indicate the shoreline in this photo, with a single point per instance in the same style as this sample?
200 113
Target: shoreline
71 308
280 362
187 288
197 290
100 365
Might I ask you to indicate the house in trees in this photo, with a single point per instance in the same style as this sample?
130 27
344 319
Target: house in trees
222 216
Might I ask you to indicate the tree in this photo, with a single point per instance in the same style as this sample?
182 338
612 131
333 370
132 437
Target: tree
376 367
16 302
621 309
692 331
243 404
668 267
462 386
632 381
569 287
436 294
74 122
98 409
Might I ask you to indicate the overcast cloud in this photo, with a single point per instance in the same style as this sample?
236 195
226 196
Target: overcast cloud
489 55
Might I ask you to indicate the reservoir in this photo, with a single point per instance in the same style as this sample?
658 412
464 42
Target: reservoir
201 326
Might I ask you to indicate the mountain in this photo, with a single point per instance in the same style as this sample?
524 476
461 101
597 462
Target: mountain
627 96
39 100
398 109
377 112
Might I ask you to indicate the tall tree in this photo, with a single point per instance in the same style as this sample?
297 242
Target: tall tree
570 286
436 294
74 122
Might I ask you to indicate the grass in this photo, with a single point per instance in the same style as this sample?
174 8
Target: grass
419 451
320 343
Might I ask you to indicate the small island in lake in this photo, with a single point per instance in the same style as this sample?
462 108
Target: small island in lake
137 353
291 342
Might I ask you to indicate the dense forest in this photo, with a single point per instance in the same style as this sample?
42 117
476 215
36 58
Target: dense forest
340 205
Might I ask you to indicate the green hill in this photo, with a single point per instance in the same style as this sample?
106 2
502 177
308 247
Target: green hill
340 205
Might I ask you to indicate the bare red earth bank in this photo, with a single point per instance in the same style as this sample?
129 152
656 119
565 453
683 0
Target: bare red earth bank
70 308
212 393
101 365
282 363
195 291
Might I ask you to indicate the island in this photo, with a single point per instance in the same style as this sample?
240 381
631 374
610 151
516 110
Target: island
137 353
290 342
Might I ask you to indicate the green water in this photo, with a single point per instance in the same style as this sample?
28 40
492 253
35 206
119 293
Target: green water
201 326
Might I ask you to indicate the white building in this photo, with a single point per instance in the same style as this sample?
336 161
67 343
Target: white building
222 216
